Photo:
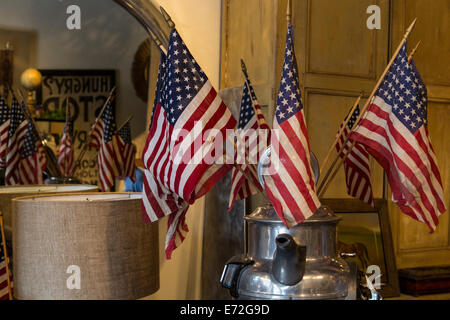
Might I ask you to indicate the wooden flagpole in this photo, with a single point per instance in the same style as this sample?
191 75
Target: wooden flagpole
52 167
89 136
289 12
413 52
369 100
123 125
341 131
8 273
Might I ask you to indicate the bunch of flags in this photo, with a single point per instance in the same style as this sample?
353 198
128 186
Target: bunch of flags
116 155
393 130
21 151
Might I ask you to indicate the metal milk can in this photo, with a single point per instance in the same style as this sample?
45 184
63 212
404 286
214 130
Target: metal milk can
297 263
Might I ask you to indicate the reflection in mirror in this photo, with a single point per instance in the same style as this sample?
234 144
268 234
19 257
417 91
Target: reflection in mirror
80 66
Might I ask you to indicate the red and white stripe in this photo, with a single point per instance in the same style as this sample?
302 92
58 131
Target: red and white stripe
180 169
128 154
290 185
66 155
241 188
4 291
31 168
13 154
109 162
357 169
4 128
408 160
97 134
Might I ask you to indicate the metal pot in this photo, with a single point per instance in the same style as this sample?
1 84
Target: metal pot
296 263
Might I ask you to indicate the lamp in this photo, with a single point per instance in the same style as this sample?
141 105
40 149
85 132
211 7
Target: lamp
83 246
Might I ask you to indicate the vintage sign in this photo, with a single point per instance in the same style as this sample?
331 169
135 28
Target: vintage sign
86 91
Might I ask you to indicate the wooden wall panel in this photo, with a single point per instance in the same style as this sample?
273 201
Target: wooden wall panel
248 33
329 49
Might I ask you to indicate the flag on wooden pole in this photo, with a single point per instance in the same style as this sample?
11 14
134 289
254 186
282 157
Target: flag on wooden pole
33 160
65 150
16 137
127 151
290 182
356 164
248 126
180 153
109 157
394 131
4 128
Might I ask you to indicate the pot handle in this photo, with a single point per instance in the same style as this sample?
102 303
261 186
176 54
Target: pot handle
232 271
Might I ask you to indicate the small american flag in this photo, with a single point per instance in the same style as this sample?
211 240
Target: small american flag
16 137
4 128
356 165
33 159
179 154
109 158
290 185
66 151
4 290
158 200
128 152
394 131
241 188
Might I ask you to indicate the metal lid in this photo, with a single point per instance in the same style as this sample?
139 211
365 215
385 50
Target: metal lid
267 214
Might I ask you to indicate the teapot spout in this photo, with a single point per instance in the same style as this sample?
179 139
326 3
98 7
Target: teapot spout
288 266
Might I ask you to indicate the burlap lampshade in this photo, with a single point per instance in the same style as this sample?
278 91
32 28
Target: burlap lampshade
8 193
83 246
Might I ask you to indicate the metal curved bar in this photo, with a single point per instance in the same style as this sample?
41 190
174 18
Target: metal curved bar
148 16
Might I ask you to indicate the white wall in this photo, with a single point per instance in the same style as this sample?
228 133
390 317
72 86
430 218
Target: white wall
198 22
108 39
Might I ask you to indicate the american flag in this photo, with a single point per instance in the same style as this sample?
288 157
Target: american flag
97 131
180 152
4 291
241 188
109 158
16 136
127 151
356 164
158 200
33 159
395 132
261 120
4 128
290 185
66 151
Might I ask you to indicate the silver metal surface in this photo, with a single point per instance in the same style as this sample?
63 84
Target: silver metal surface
326 275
